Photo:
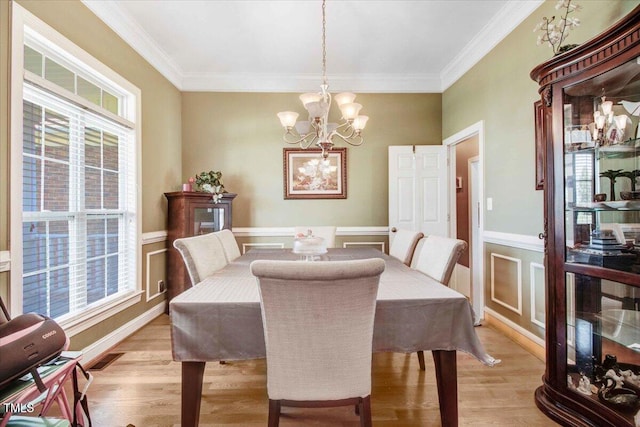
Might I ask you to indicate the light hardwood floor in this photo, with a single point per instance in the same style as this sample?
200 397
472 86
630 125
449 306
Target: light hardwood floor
142 388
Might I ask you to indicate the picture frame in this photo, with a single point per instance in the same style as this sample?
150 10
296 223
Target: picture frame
308 176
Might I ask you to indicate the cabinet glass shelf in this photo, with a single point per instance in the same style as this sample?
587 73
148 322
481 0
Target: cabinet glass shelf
626 149
615 205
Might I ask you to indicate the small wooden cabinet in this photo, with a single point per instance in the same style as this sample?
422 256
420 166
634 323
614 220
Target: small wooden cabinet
591 136
191 213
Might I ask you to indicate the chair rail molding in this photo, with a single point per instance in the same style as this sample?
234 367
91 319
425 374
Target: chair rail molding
154 237
520 241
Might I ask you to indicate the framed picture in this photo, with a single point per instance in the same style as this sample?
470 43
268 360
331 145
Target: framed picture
308 176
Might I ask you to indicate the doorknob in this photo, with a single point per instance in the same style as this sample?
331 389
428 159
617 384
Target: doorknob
393 229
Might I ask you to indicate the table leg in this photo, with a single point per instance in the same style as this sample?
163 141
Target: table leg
447 380
192 373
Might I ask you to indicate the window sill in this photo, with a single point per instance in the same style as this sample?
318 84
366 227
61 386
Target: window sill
77 324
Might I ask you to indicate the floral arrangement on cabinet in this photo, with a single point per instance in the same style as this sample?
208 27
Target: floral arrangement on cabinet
211 182
555 32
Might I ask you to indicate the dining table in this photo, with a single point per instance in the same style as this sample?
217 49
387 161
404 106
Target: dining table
219 319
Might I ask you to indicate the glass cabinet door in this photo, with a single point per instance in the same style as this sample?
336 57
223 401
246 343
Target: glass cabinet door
602 217
208 219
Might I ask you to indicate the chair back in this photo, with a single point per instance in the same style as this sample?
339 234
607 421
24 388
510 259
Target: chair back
203 255
229 244
327 232
404 244
318 327
436 256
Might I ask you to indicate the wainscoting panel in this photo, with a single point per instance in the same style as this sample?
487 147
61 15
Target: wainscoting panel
506 282
377 245
156 272
537 294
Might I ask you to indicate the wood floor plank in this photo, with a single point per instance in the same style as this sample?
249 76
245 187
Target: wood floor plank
142 388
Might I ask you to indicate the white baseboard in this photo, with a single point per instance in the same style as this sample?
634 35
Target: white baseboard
528 340
103 345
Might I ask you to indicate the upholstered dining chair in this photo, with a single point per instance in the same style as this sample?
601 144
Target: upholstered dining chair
203 255
318 329
327 232
436 256
229 244
404 244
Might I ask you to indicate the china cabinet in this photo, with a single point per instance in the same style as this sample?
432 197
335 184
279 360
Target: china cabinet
591 103
191 213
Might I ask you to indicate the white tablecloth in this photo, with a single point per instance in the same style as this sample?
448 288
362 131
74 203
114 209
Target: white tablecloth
219 319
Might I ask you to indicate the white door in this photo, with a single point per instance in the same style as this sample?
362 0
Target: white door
418 189
477 291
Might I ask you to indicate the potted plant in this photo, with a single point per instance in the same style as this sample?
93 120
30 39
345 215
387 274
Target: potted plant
211 182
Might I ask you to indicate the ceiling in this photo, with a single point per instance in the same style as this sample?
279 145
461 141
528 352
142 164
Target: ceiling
276 46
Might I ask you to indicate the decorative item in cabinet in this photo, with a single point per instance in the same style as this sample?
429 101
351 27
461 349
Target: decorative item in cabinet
590 96
191 213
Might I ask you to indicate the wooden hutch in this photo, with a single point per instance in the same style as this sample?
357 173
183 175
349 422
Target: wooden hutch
191 213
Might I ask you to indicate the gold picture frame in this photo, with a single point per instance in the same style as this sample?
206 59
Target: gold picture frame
308 176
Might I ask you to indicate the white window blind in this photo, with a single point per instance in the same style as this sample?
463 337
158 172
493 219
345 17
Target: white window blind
584 184
79 206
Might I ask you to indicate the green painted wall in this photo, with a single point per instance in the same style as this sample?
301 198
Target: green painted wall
499 91
240 135
161 127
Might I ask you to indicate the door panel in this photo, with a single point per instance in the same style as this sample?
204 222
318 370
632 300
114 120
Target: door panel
405 200
432 178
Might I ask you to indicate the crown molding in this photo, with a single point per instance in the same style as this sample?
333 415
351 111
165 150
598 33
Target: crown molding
505 21
128 29
508 18
362 83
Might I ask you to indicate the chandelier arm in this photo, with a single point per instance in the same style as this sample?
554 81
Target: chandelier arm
348 133
299 138
350 139
343 124
308 142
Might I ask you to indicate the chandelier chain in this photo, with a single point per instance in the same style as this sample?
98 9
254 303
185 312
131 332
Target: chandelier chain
324 43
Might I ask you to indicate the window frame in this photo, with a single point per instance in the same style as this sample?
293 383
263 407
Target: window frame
24 22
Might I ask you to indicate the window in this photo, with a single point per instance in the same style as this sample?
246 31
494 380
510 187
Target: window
79 171
583 166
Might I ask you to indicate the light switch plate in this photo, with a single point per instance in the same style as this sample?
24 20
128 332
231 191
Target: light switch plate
489 203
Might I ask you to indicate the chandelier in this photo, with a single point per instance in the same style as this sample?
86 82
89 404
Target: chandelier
317 131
